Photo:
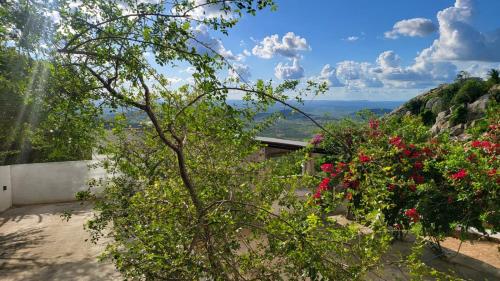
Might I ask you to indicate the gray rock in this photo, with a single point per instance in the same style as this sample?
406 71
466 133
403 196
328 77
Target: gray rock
477 109
457 130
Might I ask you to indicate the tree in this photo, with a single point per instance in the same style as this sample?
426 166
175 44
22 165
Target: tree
186 203
493 76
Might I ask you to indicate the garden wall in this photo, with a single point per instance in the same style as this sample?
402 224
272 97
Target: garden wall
5 188
45 182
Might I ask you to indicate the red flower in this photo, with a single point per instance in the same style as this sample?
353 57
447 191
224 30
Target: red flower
462 173
472 157
450 199
476 143
407 152
317 195
418 179
412 187
317 139
327 168
391 187
324 184
374 124
413 214
364 158
492 172
427 151
418 165
397 142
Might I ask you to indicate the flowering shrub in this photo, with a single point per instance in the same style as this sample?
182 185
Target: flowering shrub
413 179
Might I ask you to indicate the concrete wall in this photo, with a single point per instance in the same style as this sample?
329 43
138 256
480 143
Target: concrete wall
5 188
51 182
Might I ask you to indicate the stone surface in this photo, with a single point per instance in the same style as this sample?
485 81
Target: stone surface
36 244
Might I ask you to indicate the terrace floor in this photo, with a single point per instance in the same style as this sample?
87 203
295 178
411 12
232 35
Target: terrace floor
36 244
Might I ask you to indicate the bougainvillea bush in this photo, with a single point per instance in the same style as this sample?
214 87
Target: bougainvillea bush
433 185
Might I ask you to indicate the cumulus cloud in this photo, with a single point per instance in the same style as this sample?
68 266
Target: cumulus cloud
388 59
411 27
204 43
357 75
240 71
286 71
459 40
289 46
328 74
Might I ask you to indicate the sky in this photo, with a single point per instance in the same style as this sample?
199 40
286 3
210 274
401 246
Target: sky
363 49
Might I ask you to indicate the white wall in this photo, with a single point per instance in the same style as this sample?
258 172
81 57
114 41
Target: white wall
5 195
51 182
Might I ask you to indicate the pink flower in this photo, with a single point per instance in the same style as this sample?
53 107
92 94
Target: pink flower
391 187
374 124
317 139
407 152
412 214
462 173
327 168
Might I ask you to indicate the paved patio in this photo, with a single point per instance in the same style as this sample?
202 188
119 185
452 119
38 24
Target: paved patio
36 244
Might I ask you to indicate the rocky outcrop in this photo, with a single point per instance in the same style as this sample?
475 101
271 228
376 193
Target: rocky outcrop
475 111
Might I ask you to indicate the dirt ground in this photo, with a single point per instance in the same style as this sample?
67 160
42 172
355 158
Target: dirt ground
36 244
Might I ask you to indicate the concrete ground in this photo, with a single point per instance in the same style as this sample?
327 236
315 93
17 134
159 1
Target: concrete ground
36 244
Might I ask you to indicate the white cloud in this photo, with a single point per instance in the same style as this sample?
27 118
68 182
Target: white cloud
204 43
240 71
459 40
289 46
357 75
328 75
411 27
286 71
388 59
351 38
206 10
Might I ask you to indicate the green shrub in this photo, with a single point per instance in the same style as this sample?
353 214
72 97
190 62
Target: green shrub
470 91
458 115
414 106
428 117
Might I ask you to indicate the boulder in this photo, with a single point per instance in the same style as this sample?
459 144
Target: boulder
477 109
457 130
442 122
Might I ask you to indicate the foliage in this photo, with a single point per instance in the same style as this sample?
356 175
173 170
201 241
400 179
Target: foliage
493 76
433 183
458 115
428 117
185 202
470 91
43 117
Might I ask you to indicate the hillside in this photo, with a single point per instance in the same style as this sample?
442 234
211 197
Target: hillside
453 107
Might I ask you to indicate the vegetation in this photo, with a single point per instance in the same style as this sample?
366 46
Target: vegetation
454 97
429 186
186 201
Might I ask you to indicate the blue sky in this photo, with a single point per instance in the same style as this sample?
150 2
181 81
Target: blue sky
365 49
